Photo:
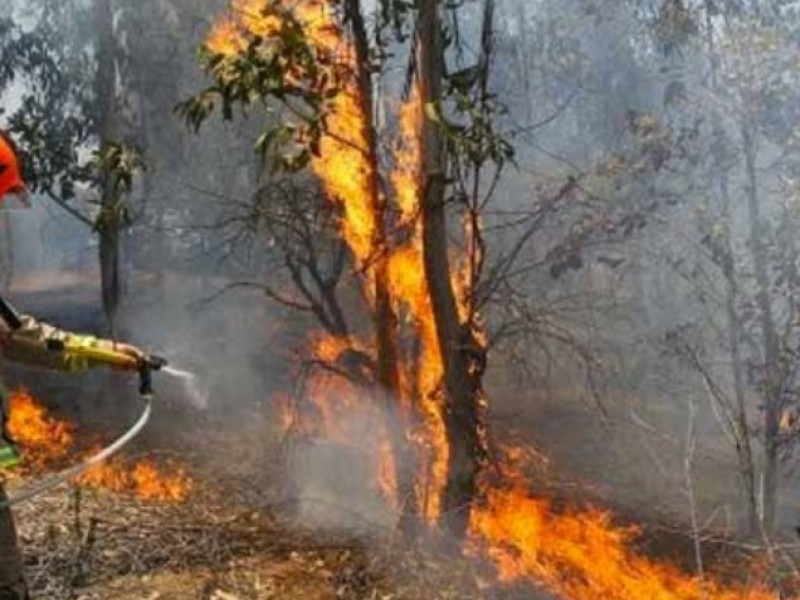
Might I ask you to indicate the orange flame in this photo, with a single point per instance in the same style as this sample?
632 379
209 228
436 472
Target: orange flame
337 410
348 177
29 425
48 442
423 372
143 479
580 554
245 16
151 483
342 164
225 38
576 553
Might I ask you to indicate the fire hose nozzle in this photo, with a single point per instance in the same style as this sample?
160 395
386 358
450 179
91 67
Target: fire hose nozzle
155 362
147 366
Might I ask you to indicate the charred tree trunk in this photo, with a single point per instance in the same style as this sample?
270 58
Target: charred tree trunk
110 275
772 383
462 396
385 318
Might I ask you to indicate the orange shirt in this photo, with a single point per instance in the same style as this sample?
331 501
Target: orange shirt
10 175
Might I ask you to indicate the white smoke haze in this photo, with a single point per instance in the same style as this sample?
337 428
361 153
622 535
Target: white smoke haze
581 79
333 483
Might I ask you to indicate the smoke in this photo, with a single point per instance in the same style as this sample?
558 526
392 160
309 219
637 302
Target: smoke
220 352
231 359
43 238
333 484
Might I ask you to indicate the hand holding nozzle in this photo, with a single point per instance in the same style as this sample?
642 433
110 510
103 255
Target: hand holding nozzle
99 352
118 356
150 363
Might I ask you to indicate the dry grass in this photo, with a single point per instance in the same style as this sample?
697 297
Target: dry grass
97 545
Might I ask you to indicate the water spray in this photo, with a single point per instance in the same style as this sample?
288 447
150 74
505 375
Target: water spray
191 387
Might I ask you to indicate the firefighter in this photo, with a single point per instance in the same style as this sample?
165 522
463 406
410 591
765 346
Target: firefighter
31 343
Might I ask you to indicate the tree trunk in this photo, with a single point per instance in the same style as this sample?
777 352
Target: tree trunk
110 275
108 232
385 319
772 383
524 59
462 414
744 443
744 449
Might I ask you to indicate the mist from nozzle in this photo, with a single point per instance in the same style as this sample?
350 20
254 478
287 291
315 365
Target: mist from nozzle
191 388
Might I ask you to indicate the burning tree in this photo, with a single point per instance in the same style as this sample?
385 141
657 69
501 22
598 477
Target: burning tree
416 275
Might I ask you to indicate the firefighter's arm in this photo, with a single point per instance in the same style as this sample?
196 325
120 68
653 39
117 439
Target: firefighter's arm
40 344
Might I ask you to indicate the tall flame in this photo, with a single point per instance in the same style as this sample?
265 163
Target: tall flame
337 410
342 163
424 371
348 177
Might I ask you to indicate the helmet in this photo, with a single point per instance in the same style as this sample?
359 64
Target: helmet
10 169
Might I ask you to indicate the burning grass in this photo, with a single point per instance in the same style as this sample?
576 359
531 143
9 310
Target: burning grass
49 443
582 554
32 427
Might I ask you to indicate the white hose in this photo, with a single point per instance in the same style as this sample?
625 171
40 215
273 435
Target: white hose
45 485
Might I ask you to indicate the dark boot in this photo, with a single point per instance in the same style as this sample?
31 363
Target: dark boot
12 582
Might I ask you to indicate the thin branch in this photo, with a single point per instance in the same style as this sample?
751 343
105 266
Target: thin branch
70 209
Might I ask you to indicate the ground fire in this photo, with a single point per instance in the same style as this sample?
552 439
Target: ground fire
50 443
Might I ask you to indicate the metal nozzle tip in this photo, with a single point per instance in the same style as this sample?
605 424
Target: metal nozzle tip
157 362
